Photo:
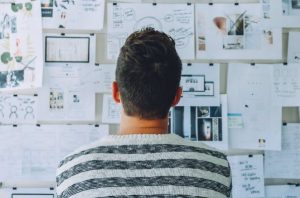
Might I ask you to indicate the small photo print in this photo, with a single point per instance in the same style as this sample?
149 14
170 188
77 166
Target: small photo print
47 3
56 100
203 112
234 39
178 125
10 79
295 4
268 37
47 8
205 129
201 43
216 111
76 98
210 129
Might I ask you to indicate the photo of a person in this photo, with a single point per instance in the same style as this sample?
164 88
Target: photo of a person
205 129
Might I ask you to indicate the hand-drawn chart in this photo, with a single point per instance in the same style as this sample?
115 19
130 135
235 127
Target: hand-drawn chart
20 45
177 20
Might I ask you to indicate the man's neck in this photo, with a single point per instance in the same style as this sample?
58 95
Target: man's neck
135 125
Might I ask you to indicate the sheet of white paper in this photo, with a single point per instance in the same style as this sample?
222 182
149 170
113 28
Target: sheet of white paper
75 49
111 112
249 94
34 152
10 153
228 31
293 47
285 163
207 124
282 191
72 137
247 176
98 78
39 152
177 20
28 193
290 13
73 15
18 109
21 45
286 84
63 99
200 84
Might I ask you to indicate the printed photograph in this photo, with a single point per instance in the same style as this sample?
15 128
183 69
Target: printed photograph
203 112
296 4
206 123
234 24
11 78
56 100
178 124
47 8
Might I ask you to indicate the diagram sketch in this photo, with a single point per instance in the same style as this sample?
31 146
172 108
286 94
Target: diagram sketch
73 14
227 31
207 124
177 20
21 63
200 84
18 109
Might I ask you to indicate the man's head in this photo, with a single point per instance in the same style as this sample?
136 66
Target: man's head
148 75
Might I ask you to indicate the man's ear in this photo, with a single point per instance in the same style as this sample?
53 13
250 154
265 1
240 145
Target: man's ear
115 92
177 96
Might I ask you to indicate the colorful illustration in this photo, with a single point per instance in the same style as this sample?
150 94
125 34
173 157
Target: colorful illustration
20 45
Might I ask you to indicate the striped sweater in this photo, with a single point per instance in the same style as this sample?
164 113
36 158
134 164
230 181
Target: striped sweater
163 165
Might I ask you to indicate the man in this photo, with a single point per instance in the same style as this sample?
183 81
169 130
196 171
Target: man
143 160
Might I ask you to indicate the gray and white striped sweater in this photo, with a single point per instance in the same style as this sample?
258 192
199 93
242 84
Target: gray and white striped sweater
144 166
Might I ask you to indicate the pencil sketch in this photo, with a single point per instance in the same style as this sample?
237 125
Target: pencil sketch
17 109
175 19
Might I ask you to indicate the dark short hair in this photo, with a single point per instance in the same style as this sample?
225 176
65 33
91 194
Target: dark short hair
148 74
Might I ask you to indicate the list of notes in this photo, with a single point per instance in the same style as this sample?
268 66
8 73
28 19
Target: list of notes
247 176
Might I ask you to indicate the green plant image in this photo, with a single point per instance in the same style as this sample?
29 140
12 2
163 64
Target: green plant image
14 7
20 6
28 6
18 59
5 57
